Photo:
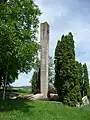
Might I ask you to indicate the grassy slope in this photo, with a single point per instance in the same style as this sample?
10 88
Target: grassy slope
24 91
40 110
18 91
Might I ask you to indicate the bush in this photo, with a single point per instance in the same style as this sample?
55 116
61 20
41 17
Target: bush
73 97
51 89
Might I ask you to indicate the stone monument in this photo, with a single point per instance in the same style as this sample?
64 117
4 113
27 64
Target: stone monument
44 40
85 101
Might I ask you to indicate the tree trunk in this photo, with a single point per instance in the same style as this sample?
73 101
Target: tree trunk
5 82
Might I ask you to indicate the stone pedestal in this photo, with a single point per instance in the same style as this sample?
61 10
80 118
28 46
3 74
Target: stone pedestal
44 40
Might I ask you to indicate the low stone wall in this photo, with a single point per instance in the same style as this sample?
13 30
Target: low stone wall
85 101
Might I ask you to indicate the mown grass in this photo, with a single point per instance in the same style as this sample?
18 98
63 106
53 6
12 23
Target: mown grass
15 92
41 110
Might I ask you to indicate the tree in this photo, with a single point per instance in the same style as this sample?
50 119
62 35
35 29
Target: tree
51 72
66 76
35 81
85 79
63 58
18 41
80 75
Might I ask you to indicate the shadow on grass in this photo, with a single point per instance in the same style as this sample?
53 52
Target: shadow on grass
21 105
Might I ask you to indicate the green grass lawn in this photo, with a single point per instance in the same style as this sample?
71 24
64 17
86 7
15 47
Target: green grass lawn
40 110
16 92
24 91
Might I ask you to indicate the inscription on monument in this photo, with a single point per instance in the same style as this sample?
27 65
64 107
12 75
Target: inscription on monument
44 40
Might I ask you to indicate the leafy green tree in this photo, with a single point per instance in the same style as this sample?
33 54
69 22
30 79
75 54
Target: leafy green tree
64 56
18 41
88 94
66 75
35 81
51 71
85 79
80 76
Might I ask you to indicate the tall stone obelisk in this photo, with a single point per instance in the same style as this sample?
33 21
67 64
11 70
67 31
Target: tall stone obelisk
44 40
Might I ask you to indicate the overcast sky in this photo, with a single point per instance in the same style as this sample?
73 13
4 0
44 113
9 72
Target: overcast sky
65 16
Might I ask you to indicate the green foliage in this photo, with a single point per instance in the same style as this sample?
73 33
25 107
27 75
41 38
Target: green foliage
73 97
88 94
51 72
85 79
18 41
23 91
80 76
35 82
66 71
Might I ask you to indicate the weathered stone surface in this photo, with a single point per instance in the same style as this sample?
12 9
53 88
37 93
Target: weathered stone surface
36 97
25 96
85 101
78 105
44 40
51 88
53 97
28 96
13 98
